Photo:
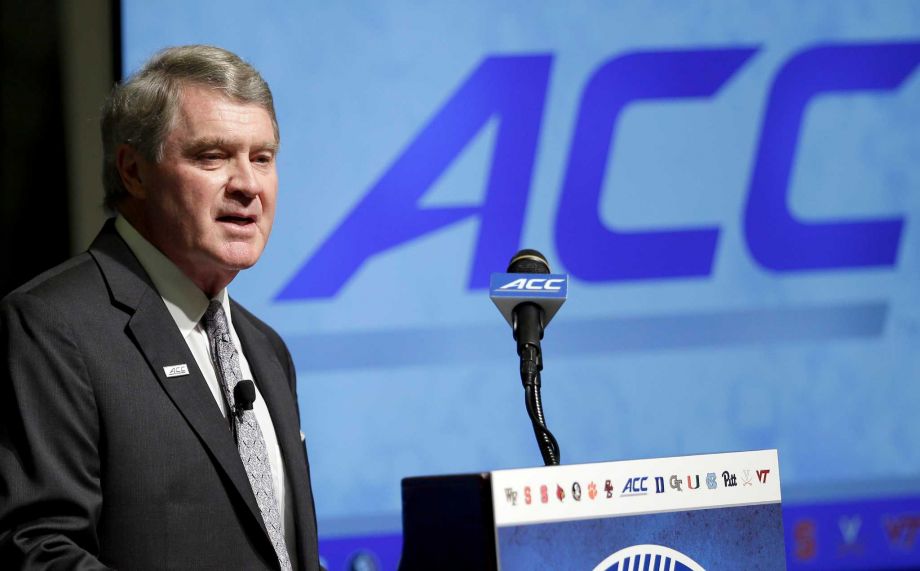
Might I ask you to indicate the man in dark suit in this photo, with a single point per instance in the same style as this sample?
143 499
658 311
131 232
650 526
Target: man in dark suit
125 441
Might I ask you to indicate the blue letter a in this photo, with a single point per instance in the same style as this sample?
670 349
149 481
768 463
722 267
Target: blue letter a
514 89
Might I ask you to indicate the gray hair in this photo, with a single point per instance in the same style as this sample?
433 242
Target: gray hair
141 109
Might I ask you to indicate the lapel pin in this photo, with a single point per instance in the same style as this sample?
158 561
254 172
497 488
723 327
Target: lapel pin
176 370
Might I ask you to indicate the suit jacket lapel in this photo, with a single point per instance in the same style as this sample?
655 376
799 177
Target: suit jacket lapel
157 337
273 385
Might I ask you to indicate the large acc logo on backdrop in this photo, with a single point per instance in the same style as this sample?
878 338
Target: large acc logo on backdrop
513 89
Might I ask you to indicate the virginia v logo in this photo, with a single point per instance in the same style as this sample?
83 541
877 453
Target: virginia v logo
746 477
849 529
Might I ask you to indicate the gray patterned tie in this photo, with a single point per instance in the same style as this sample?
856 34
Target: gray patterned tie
250 443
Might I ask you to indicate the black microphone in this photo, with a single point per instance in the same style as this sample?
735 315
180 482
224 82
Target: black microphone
528 301
244 394
528 317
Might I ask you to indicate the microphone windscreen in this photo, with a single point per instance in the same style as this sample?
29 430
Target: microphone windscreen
528 262
244 394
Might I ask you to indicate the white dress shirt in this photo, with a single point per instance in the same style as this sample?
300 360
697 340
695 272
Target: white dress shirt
187 305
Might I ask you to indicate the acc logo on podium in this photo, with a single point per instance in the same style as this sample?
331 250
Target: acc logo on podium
650 557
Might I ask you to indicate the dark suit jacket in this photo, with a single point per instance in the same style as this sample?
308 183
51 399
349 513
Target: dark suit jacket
104 461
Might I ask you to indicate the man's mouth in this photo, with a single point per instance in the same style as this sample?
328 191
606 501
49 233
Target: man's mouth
236 219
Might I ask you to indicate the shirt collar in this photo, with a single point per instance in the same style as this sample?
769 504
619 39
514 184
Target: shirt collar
185 302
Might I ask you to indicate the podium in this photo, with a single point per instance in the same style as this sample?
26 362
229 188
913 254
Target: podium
713 511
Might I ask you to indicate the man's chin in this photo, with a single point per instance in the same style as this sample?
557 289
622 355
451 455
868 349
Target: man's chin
238 265
240 260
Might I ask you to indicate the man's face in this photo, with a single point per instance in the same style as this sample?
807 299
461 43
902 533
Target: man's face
209 203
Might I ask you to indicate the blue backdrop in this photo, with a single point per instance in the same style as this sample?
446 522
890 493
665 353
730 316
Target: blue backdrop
733 188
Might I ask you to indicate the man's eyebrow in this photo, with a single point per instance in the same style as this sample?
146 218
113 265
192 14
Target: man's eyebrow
219 142
270 146
205 143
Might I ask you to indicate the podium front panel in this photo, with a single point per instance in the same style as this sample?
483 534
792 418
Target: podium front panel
716 511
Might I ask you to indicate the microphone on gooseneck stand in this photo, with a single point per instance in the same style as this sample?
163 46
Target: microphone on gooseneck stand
528 295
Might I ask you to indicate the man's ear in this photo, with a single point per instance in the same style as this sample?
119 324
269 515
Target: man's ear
128 162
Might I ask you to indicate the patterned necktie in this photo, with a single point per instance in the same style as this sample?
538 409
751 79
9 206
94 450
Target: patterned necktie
250 443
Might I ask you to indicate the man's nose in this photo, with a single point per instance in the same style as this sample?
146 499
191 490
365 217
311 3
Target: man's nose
243 178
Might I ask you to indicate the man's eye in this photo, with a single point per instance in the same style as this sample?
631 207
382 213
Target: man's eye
263 159
210 157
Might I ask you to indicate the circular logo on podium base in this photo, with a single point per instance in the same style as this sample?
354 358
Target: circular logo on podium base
650 557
